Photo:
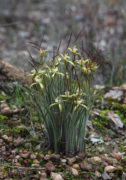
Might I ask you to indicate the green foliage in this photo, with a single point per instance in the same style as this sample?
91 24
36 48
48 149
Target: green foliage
101 121
3 99
62 94
2 119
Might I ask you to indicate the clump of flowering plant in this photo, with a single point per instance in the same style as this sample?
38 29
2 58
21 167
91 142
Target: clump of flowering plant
62 94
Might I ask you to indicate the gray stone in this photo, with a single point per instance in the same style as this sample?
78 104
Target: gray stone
114 94
115 119
56 176
94 138
74 172
105 176
20 60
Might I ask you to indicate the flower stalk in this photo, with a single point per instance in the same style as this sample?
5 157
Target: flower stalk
62 94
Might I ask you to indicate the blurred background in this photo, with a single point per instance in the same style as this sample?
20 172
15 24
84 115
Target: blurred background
102 24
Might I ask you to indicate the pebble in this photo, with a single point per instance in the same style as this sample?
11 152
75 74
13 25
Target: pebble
109 169
74 172
101 149
6 138
55 156
71 160
33 156
35 165
63 160
117 156
5 109
76 166
105 176
25 155
17 157
38 147
18 141
47 157
50 167
35 161
43 176
56 176
85 166
97 174
96 160
114 94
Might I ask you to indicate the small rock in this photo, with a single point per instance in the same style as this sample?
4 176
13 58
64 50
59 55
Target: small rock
101 149
115 119
47 157
38 147
25 155
6 138
14 151
109 169
41 156
85 166
117 156
71 160
94 138
35 165
22 127
99 87
43 175
97 174
33 156
17 164
96 160
76 166
63 160
114 94
56 176
55 156
123 87
35 161
5 110
105 176
41 178
50 167
18 141
74 172
17 157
